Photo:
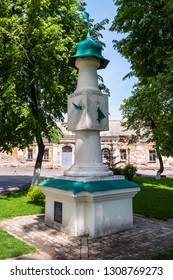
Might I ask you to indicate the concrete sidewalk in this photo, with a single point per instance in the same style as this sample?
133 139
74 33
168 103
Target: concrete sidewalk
145 238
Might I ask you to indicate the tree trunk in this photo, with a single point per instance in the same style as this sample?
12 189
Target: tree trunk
38 164
35 113
161 169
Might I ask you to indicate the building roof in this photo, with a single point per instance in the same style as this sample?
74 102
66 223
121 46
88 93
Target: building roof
115 129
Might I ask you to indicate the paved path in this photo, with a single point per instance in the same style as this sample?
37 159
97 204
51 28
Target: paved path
145 238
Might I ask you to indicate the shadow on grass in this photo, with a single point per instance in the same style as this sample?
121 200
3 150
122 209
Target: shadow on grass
14 194
163 255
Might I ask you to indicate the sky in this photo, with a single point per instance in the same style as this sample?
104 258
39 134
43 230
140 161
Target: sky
118 66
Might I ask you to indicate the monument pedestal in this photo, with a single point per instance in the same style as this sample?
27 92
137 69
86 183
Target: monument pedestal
78 208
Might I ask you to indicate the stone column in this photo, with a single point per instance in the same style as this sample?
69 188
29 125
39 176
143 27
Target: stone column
83 118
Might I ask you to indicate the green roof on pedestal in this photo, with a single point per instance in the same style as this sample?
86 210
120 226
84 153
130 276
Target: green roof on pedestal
91 186
89 47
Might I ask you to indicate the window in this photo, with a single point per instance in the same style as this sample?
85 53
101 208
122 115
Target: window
46 154
106 155
123 155
67 149
152 156
30 154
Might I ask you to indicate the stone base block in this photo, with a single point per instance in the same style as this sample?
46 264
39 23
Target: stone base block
92 214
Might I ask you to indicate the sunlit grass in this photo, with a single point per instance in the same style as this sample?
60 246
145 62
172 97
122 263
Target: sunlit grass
18 204
155 198
11 247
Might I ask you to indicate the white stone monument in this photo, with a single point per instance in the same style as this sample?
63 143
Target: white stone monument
88 199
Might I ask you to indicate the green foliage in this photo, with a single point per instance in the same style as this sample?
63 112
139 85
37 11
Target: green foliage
11 247
129 171
148 44
111 161
36 195
36 39
117 171
149 112
155 198
148 48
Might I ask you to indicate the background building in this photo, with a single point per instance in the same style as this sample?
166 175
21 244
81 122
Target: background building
114 144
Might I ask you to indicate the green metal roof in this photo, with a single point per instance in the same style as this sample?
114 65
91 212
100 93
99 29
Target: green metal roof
80 186
89 48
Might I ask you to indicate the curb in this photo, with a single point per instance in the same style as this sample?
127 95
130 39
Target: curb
39 256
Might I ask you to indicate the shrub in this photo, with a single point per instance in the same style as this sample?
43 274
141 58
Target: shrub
129 171
117 171
36 195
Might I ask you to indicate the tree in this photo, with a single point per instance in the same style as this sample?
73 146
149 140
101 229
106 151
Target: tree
148 48
148 25
147 124
36 39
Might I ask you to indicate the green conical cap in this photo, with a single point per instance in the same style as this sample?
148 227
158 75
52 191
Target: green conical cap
89 47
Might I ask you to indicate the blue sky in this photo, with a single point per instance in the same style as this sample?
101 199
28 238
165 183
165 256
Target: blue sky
118 66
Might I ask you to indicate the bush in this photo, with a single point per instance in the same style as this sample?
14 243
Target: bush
36 196
129 171
117 171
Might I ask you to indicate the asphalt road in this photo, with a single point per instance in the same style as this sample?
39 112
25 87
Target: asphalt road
15 178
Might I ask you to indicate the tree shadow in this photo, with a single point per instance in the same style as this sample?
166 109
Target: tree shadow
14 194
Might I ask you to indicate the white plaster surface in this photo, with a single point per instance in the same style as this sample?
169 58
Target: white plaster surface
94 214
87 116
87 76
88 158
86 123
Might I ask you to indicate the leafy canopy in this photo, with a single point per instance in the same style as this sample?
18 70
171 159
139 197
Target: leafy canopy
148 26
36 39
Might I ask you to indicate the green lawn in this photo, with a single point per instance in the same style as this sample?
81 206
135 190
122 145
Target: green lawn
11 205
155 198
11 247
164 255
17 204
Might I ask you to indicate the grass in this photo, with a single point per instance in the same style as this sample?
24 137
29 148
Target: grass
18 204
155 199
13 247
163 255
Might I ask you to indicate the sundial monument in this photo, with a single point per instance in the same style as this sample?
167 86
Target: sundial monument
88 199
